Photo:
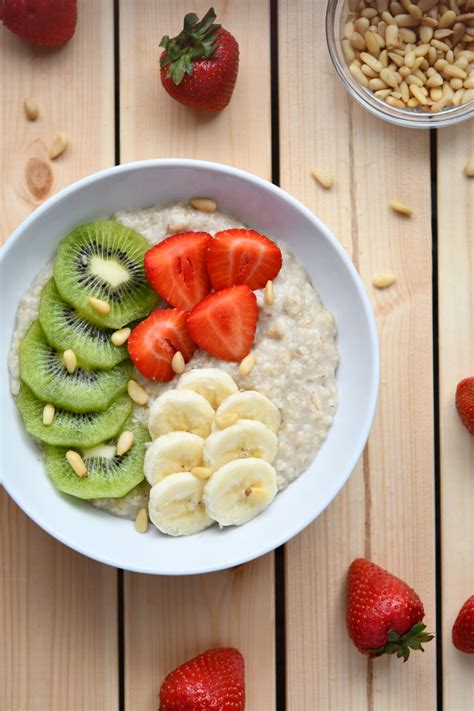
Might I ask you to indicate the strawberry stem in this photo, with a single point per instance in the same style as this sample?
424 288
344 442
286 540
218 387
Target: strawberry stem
195 41
402 644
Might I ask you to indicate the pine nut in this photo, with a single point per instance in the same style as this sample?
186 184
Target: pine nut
458 96
468 96
382 281
406 21
378 85
101 306
407 35
226 420
469 169
348 50
389 78
348 29
427 5
137 393
381 5
358 74
177 363
447 19
76 463
372 44
422 50
396 103
383 58
125 441
392 37
410 59
382 93
456 72
368 72
31 109
119 337
141 521
204 204
247 364
414 11
426 34
396 59
436 94
401 207
456 84
442 34
58 146
269 294
439 105
70 360
361 25
323 177
358 42
435 80
440 45
429 22
201 472
418 94
469 83
48 414
388 18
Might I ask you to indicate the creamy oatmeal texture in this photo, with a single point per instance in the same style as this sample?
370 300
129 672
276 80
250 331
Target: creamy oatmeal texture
295 349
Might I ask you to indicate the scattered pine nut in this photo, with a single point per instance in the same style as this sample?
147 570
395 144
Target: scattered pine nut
125 441
269 294
226 420
70 360
401 207
31 109
137 393
324 178
119 337
247 364
101 306
204 204
58 146
201 472
76 463
382 281
141 521
469 169
48 414
177 363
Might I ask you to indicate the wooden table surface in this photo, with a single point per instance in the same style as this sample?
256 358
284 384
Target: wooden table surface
80 636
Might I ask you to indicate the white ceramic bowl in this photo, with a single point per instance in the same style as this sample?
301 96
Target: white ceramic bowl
270 210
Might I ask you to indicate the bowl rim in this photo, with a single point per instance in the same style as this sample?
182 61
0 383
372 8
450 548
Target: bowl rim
279 538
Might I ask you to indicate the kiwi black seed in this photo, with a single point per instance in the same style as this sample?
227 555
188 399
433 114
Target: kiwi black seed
104 260
43 370
72 429
64 328
108 475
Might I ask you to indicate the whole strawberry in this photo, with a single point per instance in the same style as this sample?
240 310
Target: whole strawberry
463 628
213 680
46 23
465 402
384 615
199 66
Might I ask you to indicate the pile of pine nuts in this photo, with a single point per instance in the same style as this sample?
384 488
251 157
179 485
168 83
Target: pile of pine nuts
415 54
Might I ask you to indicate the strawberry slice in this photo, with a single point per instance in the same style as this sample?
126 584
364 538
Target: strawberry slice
176 269
153 343
224 323
242 257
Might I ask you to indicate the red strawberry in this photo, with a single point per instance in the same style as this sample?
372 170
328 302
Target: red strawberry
465 402
213 680
463 628
153 343
242 257
383 615
199 66
176 269
47 23
224 323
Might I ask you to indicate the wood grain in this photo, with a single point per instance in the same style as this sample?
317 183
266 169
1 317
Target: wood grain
456 361
388 505
59 611
168 620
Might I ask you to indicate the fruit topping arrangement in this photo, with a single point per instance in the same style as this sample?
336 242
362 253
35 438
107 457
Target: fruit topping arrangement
211 455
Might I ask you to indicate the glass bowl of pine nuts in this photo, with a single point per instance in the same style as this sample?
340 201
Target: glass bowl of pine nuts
410 62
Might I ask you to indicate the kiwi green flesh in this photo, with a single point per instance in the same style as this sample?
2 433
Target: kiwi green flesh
64 328
104 260
108 476
42 369
72 429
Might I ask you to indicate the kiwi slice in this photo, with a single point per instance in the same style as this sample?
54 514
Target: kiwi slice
104 260
108 475
64 328
43 370
72 429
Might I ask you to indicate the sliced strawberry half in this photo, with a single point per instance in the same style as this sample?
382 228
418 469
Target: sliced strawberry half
153 343
224 323
176 269
242 257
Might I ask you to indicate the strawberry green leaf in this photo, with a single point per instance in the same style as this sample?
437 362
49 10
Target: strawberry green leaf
402 644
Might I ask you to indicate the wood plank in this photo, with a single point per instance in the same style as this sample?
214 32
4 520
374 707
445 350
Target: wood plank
59 632
456 361
386 509
168 620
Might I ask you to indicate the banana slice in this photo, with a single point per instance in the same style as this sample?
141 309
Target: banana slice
176 506
180 411
173 452
212 383
251 405
247 438
239 491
